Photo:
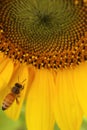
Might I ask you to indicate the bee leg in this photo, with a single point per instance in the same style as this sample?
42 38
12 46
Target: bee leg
17 100
23 87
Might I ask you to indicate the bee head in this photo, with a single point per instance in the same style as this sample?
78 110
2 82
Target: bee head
18 85
17 88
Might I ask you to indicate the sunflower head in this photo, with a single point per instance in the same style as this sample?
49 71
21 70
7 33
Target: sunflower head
49 34
38 37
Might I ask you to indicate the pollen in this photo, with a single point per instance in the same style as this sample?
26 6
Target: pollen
49 34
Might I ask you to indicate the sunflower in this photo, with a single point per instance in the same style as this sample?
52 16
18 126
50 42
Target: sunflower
43 47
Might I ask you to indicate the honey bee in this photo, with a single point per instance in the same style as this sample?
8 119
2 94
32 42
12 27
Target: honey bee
12 96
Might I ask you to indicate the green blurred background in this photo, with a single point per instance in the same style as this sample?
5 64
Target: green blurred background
7 124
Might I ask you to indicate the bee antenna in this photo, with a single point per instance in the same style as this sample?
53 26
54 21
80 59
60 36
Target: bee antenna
18 78
23 80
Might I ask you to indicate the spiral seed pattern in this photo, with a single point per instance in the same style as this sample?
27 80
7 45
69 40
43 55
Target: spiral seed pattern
47 33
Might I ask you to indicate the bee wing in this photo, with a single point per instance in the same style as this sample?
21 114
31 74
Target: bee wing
3 93
4 89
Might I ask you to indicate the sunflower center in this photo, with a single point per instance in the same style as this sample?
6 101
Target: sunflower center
44 19
50 34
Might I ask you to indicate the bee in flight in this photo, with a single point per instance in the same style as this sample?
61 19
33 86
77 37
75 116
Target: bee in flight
12 96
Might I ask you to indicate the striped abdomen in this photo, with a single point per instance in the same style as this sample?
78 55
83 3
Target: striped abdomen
7 102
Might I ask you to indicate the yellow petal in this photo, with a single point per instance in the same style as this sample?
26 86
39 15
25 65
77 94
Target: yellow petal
31 71
2 57
80 83
39 114
6 71
68 113
21 74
